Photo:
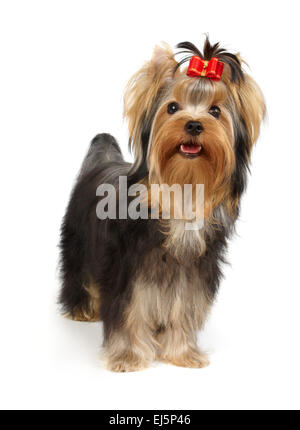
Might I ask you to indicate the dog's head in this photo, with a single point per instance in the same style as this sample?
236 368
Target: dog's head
194 129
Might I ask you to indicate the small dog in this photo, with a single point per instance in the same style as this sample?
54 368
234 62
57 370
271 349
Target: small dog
150 280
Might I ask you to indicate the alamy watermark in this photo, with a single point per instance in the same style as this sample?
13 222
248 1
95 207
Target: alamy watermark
166 202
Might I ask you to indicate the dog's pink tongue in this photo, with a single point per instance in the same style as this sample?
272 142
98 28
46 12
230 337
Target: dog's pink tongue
190 149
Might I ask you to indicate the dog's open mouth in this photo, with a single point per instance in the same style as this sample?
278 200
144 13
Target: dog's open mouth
190 150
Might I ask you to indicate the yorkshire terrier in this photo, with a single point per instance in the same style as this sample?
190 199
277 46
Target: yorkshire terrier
152 280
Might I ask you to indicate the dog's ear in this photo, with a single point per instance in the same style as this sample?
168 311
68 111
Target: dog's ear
251 106
143 91
249 112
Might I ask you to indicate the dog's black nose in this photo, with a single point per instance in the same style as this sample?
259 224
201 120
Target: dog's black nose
193 127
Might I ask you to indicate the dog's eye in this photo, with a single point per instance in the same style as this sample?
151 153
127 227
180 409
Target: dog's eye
215 111
172 108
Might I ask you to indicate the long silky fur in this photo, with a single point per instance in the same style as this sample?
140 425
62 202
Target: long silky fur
123 271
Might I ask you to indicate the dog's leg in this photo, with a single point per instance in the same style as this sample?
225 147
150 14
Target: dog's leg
132 346
89 308
177 337
178 346
129 350
79 297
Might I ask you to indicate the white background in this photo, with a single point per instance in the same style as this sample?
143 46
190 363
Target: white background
63 68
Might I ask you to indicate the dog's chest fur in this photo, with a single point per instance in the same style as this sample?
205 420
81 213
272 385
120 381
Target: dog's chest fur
167 288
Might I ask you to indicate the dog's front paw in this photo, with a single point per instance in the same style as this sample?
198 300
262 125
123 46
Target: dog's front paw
193 358
126 364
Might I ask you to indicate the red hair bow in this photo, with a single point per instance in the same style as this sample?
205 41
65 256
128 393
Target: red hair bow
212 69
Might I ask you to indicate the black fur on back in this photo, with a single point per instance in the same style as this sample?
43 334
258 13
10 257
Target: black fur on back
110 253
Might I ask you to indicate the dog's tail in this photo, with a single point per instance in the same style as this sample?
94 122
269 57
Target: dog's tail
103 148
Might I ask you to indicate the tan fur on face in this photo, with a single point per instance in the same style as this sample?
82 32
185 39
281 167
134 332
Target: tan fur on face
216 161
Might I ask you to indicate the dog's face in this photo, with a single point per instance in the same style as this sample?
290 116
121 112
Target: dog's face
188 130
192 136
